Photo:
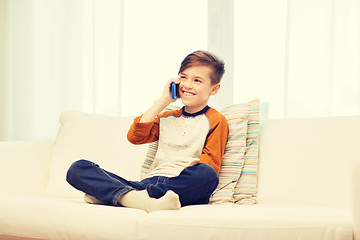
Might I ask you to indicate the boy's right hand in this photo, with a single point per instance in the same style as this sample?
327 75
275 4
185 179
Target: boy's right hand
166 96
161 103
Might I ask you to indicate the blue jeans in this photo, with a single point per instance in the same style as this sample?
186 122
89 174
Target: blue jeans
194 185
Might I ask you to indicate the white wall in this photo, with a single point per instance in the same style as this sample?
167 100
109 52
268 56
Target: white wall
2 64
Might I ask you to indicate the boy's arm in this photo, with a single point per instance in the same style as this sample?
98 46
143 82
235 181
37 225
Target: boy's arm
145 128
214 148
140 133
160 104
156 108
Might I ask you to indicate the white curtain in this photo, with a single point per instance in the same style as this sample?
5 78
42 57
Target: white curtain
90 56
59 55
301 57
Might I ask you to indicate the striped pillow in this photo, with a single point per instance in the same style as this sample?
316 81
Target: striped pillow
246 187
150 156
233 159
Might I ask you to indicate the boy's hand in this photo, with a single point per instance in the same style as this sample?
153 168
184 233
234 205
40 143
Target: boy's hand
161 103
166 96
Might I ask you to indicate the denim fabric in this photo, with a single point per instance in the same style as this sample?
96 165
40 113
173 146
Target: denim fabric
194 185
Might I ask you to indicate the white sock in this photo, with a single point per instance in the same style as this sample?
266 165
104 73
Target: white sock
142 200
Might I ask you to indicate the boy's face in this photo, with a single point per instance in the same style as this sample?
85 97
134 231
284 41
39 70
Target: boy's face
195 88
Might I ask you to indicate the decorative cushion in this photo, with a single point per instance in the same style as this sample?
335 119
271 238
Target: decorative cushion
233 159
97 138
246 187
149 159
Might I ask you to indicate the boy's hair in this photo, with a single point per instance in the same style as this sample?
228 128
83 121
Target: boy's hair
204 58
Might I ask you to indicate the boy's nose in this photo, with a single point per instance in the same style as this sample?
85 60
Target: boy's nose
187 84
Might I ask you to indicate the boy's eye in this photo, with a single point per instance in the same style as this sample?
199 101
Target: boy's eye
197 80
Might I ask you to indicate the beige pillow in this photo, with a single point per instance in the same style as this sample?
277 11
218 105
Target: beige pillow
97 138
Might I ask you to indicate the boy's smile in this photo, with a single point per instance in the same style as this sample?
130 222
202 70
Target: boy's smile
196 88
186 93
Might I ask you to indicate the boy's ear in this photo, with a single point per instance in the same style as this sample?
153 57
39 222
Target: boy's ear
215 89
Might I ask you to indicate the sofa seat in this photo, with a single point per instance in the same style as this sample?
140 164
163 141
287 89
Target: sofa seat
248 222
65 218
62 218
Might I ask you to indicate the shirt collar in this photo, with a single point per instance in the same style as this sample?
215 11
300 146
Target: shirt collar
186 114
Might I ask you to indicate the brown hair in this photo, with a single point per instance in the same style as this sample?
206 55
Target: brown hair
204 58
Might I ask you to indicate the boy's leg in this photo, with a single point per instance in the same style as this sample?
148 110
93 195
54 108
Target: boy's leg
194 185
102 186
107 187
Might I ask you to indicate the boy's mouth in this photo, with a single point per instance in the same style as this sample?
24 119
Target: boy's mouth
186 93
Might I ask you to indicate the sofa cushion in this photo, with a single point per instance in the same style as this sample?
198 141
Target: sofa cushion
248 222
308 161
60 218
97 138
21 161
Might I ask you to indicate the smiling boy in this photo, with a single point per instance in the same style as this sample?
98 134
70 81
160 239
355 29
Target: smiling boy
191 146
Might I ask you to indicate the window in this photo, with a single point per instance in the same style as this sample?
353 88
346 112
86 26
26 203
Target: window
301 58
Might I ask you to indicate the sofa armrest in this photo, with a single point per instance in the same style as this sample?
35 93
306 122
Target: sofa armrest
24 167
356 198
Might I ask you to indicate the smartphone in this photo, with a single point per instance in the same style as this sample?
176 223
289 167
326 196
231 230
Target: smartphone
174 90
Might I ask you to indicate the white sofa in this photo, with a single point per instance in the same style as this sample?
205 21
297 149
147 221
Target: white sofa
308 188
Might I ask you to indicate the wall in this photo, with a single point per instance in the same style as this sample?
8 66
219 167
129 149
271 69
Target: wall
2 67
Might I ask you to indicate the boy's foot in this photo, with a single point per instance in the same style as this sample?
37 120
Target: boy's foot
142 200
170 201
92 200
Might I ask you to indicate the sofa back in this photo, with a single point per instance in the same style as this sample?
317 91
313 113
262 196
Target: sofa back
307 161
97 138
301 161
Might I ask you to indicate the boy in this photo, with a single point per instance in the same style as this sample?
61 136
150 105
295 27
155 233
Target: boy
191 146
